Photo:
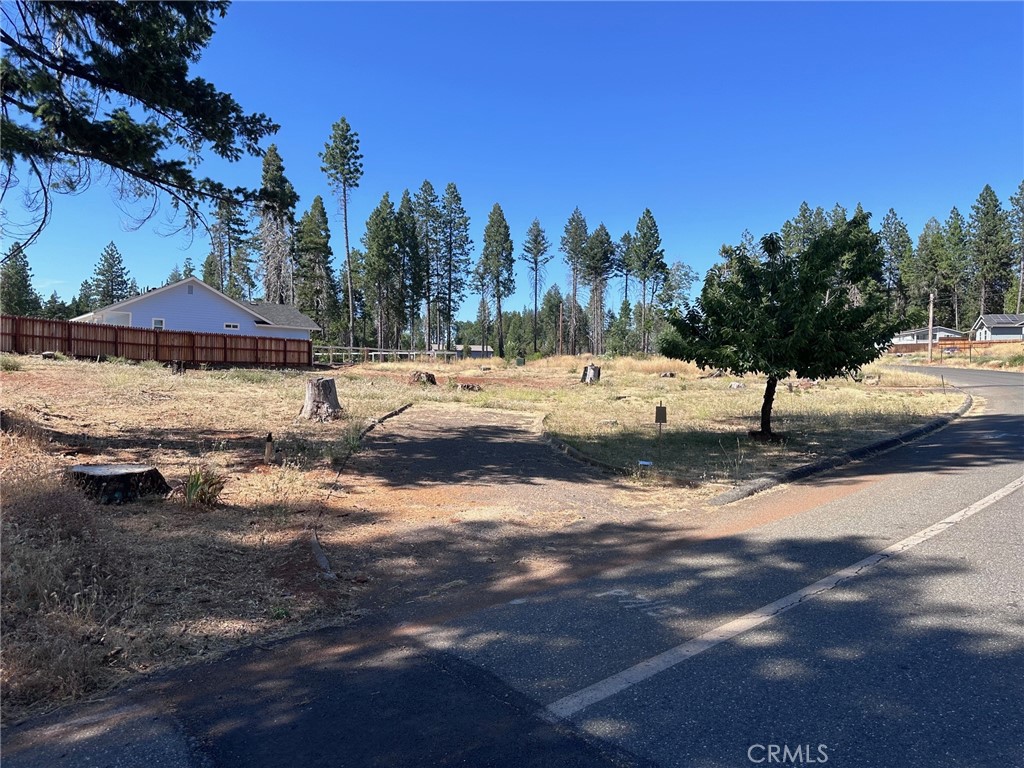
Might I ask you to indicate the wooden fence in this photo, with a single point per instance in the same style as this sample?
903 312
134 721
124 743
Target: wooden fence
962 346
32 335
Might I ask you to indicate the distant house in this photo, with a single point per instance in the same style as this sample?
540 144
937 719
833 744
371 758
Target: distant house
192 305
920 335
475 351
999 328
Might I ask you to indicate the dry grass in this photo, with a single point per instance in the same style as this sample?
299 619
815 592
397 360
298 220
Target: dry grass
91 595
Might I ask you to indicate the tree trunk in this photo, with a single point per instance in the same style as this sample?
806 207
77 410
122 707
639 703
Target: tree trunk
348 268
118 483
766 406
321 400
501 329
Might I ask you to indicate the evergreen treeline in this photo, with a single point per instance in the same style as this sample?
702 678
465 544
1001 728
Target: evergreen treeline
413 271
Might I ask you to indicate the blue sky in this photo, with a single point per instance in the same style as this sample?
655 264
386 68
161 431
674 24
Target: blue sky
716 116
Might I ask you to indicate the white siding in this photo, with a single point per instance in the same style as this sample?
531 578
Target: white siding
202 311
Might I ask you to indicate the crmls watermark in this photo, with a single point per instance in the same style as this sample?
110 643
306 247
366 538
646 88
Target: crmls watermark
784 754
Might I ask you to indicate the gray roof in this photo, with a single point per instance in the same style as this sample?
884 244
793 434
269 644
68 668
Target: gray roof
282 315
1000 320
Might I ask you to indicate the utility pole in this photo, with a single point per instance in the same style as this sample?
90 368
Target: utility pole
931 322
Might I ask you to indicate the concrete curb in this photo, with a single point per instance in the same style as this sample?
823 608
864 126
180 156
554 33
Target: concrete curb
759 484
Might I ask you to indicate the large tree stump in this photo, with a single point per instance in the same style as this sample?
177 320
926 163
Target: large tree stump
321 400
591 374
422 377
118 483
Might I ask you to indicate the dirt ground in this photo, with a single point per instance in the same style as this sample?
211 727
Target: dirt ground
445 500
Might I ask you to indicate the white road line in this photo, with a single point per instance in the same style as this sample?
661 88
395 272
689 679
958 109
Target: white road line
569 705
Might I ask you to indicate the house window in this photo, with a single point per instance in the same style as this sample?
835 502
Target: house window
158 323
230 326
190 289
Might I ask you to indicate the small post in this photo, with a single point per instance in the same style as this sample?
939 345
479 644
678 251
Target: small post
943 384
660 417
931 323
268 448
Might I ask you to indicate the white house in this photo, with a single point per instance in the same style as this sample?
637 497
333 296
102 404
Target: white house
999 328
192 305
920 335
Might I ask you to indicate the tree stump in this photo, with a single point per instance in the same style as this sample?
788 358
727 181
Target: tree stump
422 377
321 400
591 374
118 483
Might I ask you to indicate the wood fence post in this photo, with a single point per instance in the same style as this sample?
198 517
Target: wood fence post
17 336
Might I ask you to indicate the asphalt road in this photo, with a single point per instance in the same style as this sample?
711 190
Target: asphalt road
877 619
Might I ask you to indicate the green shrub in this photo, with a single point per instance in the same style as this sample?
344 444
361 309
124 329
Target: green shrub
9 363
202 487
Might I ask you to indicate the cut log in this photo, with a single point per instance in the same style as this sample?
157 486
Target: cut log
422 377
591 374
321 400
118 483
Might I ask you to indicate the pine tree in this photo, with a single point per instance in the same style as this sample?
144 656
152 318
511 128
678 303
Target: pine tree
455 248
104 91
573 247
596 268
229 244
898 248
188 269
991 249
415 267
211 274
382 268
428 223
623 259
921 276
648 264
800 231
343 165
955 263
535 254
55 308
496 267
17 296
85 301
174 275
111 282
315 290
1016 217
550 312
277 216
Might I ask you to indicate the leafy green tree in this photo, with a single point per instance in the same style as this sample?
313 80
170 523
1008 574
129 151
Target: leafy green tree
343 165
991 250
17 296
102 90
598 260
817 312
622 339
455 247
648 265
316 293
1016 216
111 282
535 255
277 201
496 268
574 247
